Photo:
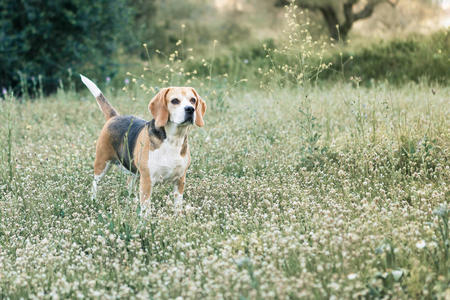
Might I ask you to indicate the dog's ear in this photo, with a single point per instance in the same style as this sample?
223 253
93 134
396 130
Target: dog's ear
200 109
158 108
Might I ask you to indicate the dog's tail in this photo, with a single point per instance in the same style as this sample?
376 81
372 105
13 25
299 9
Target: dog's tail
104 105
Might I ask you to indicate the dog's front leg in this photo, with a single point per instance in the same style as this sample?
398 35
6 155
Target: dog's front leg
145 190
178 193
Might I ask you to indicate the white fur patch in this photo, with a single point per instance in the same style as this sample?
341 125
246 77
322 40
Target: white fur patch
91 86
178 113
166 162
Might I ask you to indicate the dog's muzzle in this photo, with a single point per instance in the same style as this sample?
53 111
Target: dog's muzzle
189 114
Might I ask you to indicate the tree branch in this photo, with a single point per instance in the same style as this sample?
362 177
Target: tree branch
393 3
337 30
366 12
330 16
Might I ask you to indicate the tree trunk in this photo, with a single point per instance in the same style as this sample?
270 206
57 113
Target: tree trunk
330 17
340 31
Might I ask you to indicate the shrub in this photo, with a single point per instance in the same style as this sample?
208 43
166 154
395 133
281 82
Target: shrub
49 37
398 60
144 29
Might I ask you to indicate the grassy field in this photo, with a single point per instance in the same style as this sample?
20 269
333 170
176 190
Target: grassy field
333 192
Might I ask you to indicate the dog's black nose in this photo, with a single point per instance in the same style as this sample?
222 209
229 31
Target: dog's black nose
189 109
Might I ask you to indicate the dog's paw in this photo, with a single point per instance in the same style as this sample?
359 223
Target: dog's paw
144 211
178 207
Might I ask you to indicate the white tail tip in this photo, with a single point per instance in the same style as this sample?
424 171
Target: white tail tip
91 86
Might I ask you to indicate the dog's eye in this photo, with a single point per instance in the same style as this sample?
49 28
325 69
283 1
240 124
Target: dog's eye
193 100
175 101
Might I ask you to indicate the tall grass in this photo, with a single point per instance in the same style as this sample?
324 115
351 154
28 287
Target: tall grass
316 193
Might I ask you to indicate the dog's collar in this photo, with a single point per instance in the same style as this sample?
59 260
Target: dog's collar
160 133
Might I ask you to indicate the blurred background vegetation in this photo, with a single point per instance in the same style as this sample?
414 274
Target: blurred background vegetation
45 43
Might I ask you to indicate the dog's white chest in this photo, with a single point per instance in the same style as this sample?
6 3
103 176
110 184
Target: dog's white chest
166 163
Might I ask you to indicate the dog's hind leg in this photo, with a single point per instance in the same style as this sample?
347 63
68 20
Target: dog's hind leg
104 155
100 170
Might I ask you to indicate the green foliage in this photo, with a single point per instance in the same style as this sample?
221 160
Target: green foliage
49 37
144 28
196 22
44 44
397 61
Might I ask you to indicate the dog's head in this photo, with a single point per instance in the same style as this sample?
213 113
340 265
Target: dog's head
180 105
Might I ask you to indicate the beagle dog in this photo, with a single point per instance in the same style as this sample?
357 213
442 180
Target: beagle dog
158 150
